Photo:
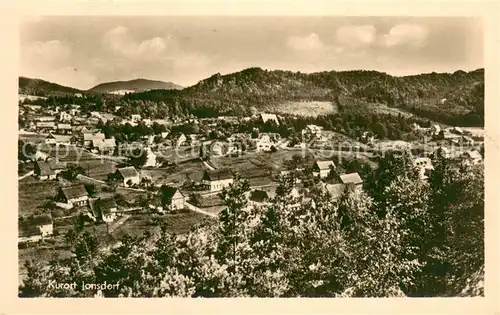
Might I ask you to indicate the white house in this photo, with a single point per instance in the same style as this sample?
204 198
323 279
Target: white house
75 195
322 168
180 140
128 175
35 228
103 210
135 117
269 118
216 180
264 143
172 198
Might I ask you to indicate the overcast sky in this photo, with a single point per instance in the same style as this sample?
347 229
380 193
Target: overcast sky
84 51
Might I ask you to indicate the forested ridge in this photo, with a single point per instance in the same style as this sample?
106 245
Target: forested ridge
452 98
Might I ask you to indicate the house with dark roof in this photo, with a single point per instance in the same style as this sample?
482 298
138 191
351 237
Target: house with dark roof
258 196
44 171
128 175
216 180
322 168
172 197
75 195
35 228
103 210
64 129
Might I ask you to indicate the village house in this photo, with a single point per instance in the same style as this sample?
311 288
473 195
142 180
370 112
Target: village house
216 180
311 132
45 118
352 179
47 170
172 198
103 146
128 175
95 115
45 126
322 169
35 228
443 151
472 157
269 118
64 129
103 210
75 195
151 158
33 108
147 122
424 165
89 138
63 140
264 143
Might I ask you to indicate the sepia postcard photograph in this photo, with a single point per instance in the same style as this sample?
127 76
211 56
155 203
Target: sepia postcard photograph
233 156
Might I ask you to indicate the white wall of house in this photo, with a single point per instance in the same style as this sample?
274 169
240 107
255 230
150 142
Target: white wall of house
218 184
109 217
177 203
33 238
47 229
78 201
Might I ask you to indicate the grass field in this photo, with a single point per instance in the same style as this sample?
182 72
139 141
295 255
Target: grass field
178 223
33 194
311 109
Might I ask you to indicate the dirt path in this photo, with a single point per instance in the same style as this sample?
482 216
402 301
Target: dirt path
196 209
26 175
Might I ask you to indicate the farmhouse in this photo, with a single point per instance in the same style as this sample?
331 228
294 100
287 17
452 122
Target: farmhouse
151 158
36 228
103 146
269 118
352 179
75 195
103 210
264 144
88 138
322 168
45 118
172 198
216 180
135 117
180 140
44 171
128 175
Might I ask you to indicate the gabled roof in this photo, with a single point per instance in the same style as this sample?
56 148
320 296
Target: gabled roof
335 190
324 165
62 138
72 192
352 178
168 192
104 206
474 155
128 172
42 219
45 124
45 168
213 175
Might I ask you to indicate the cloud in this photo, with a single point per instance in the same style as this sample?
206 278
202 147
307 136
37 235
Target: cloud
53 49
311 42
355 36
406 34
120 42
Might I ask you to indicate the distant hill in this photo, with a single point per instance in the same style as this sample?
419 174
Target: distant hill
29 86
446 97
137 85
